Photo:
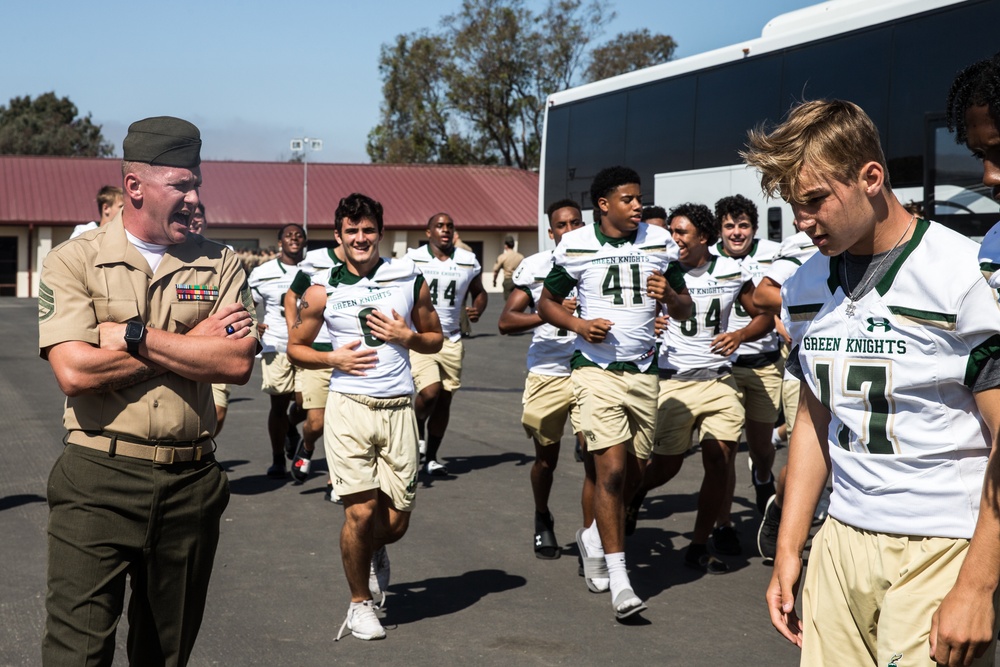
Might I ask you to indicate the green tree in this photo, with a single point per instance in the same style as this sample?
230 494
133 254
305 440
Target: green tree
474 91
49 125
416 116
628 52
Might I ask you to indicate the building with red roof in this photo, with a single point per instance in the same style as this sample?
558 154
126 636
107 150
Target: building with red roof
43 198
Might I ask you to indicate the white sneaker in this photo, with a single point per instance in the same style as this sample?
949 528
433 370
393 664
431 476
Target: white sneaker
435 469
362 622
378 576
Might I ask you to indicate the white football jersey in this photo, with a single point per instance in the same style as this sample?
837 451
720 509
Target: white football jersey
610 278
393 286
907 443
448 282
268 283
755 264
714 288
551 348
989 256
319 260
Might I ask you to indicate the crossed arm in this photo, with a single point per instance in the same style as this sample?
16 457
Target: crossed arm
206 353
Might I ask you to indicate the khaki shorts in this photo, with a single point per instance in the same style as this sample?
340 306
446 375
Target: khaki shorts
616 407
873 594
790 401
548 400
278 374
711 406
760 391
372 444
444 367
220 394
315 385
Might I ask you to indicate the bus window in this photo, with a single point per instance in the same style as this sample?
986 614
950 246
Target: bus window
954 193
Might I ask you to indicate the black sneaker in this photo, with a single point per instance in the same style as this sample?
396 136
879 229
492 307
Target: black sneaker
277 470
764 490
727 541
697 558
767 534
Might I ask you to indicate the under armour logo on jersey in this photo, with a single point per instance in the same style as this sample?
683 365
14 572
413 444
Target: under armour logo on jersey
878 322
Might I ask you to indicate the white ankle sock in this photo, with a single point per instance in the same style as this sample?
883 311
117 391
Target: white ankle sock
592 539
617 572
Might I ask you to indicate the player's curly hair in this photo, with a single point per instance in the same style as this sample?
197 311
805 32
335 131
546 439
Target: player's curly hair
610 178
700 216
734 206
976 85
355 207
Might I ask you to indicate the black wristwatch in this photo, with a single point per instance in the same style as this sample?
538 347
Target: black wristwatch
135 333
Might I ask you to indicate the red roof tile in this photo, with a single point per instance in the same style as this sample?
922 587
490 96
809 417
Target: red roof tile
62 191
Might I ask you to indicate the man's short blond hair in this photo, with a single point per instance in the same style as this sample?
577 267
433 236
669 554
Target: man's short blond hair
834 138
107 196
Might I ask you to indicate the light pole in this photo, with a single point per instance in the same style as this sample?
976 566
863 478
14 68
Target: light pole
304 145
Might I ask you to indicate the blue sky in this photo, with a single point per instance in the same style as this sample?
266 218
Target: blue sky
253 75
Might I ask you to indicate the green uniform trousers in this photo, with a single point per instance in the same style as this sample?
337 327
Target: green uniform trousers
115 516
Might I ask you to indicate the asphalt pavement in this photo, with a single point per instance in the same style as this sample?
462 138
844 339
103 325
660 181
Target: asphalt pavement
466 587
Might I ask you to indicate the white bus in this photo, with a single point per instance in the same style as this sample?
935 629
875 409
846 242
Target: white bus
682 123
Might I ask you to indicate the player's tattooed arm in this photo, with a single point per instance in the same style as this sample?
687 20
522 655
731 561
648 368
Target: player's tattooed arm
305 319
293 304
300 304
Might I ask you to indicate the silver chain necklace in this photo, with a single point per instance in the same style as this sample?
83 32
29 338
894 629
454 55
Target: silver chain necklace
860 289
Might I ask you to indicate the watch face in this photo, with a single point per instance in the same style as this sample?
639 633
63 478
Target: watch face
133 331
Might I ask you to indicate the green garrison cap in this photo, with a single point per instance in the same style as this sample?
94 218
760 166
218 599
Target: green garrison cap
163 141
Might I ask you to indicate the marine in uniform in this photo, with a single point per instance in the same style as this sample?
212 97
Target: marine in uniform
137 319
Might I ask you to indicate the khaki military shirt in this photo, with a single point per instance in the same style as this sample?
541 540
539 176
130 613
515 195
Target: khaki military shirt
509 260
101 277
